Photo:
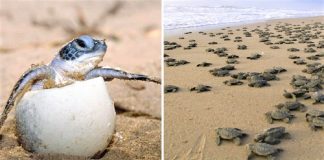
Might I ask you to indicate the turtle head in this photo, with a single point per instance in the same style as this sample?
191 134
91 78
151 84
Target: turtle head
83 48
79 56
249 146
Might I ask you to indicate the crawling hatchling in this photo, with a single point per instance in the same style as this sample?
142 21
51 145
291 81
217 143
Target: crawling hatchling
78 60
316 122
313 114
262 149
272 135
279 115
234 134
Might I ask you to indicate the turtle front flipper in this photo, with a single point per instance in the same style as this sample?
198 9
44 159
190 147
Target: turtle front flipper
237 140
268 117
218 140
109 74
30 77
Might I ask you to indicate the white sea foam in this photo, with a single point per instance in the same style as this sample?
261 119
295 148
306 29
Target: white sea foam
179 16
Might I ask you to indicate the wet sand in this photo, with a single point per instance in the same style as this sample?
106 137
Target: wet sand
33 31
191 118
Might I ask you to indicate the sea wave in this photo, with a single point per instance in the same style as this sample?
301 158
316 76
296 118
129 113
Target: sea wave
176 17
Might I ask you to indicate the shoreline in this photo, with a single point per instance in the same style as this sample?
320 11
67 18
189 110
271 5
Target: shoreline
179 31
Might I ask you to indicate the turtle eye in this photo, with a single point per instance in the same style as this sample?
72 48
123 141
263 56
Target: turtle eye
81 43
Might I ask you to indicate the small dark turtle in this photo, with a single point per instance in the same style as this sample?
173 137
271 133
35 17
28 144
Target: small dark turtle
232 56
318 97
210 50
241 47
240 75
212 43
275 70
228 67
274 47
201 88
316 122
293 57
269 76
309 50
272 135
292 106
299 62
279 114
314 113
313 85
254 56
232 61
233 82
234 134
170 88
204 64
220 72
169 60
262 149
222 54
293 49
297 93
257 81
314 57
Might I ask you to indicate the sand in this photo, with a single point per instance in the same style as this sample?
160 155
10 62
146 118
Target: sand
32 32
191 118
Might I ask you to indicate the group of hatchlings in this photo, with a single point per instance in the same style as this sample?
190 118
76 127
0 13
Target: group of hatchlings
265 141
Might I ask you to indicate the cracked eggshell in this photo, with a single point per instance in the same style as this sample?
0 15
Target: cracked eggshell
78 119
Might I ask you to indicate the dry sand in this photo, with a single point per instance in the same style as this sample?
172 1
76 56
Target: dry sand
191 118
33 31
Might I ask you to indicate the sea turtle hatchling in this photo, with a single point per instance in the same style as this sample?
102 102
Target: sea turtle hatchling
279 114
233 82
262 149
272 135
78 60
292 106
318 97
316 122
170 88
313 113
201 88
234 134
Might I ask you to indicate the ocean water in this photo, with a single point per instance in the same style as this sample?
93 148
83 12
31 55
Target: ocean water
189 13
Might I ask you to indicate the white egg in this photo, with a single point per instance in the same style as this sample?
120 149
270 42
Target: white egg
78 119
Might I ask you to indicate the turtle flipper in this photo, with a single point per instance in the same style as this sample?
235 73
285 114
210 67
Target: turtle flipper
24 84
237 141
218 140
109 74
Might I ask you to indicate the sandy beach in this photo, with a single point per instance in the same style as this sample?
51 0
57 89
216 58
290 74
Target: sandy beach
191 118
32 32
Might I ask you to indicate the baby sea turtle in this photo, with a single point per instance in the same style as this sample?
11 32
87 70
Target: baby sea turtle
279 114
262 149
254 56
201 88
219 72
257 81
300 62
242 47
232 61
314 113
275 70
272 135
232 56
292 106
318 97
233 82
78 60
293 49
316 122
170 88
204 64
234 134
274 47
297 93
293 57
